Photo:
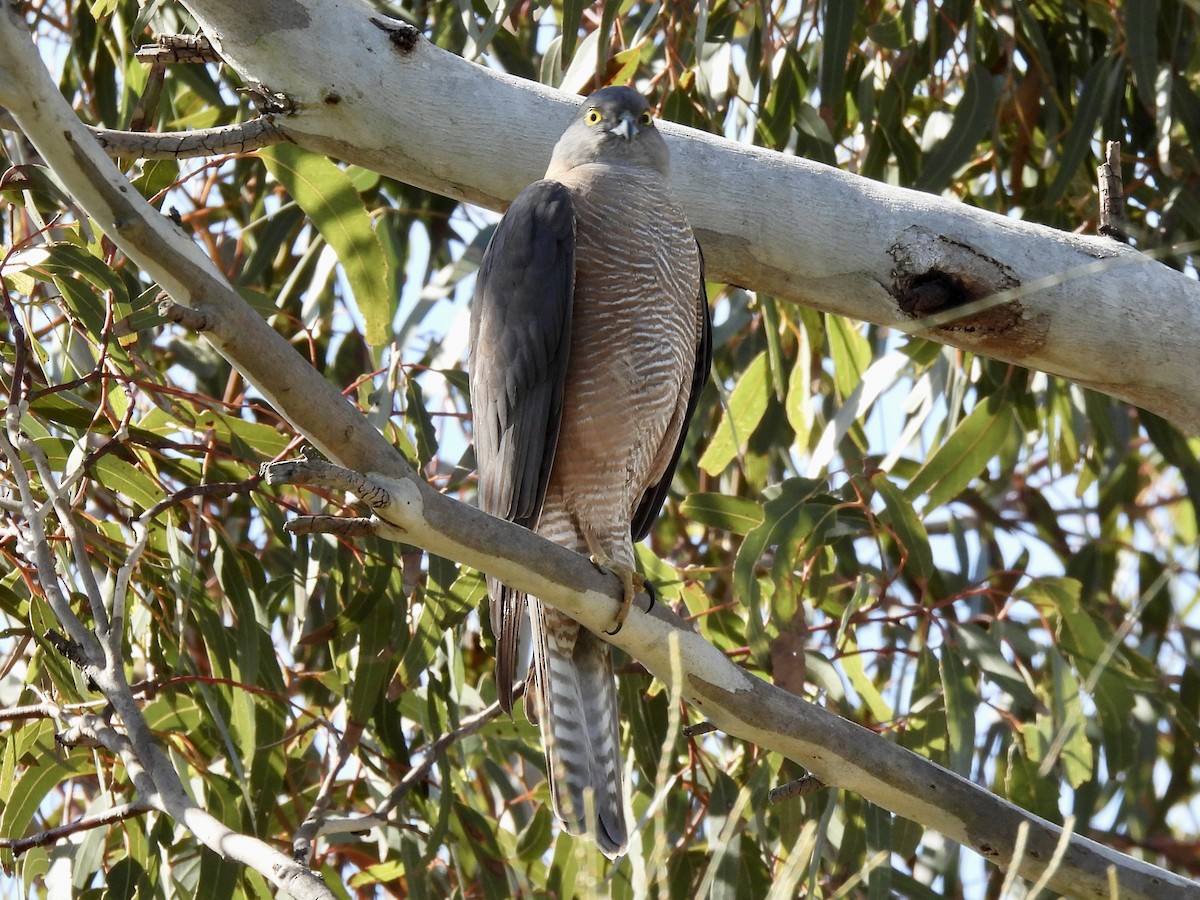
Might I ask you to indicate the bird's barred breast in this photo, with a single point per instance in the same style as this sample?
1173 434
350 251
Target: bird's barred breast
635 329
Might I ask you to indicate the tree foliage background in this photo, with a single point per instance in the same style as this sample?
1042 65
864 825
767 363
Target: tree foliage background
994 568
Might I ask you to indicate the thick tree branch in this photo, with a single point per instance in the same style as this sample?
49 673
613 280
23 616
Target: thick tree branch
838 752
780 225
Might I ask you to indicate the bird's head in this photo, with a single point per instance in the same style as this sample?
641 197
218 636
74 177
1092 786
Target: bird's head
613 126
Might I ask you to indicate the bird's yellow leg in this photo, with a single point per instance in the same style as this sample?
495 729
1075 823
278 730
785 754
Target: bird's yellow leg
631 580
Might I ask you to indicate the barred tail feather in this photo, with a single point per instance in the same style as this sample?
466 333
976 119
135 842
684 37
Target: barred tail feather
577 707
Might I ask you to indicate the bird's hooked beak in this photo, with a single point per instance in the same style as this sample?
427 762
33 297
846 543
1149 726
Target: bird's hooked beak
627 126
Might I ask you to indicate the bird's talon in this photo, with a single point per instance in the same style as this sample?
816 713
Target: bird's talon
633 584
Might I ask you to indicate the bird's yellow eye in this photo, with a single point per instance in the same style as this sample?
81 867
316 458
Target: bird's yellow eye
647 119
593 116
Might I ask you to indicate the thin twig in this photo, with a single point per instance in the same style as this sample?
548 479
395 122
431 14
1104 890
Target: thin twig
47 709
36 548
16 335
254 134
342 526
84 823
69 525
312 826
33 711
316 823
178 48
801 787
1112 194
433 752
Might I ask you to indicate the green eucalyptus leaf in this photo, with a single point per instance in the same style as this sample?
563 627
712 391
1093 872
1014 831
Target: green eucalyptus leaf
328 196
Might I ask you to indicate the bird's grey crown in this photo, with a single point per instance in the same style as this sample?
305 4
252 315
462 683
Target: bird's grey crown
603 141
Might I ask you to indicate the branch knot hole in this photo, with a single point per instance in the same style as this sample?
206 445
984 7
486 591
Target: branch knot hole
934 277
932 292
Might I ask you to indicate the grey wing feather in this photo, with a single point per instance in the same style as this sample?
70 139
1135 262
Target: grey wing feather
520 344
652 499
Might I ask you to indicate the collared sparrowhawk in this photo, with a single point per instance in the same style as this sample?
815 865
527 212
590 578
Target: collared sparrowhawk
590 344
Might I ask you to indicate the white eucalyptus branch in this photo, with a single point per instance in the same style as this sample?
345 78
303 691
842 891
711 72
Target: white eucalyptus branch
33 542
157 784
1087 308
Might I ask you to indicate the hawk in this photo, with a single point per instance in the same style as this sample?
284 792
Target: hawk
590 343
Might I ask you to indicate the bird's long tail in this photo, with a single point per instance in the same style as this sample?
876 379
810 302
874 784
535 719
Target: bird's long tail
576 706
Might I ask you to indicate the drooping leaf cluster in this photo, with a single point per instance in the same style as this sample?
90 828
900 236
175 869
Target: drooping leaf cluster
992 567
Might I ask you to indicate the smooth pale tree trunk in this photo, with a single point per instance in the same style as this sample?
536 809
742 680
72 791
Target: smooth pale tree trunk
1086 308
